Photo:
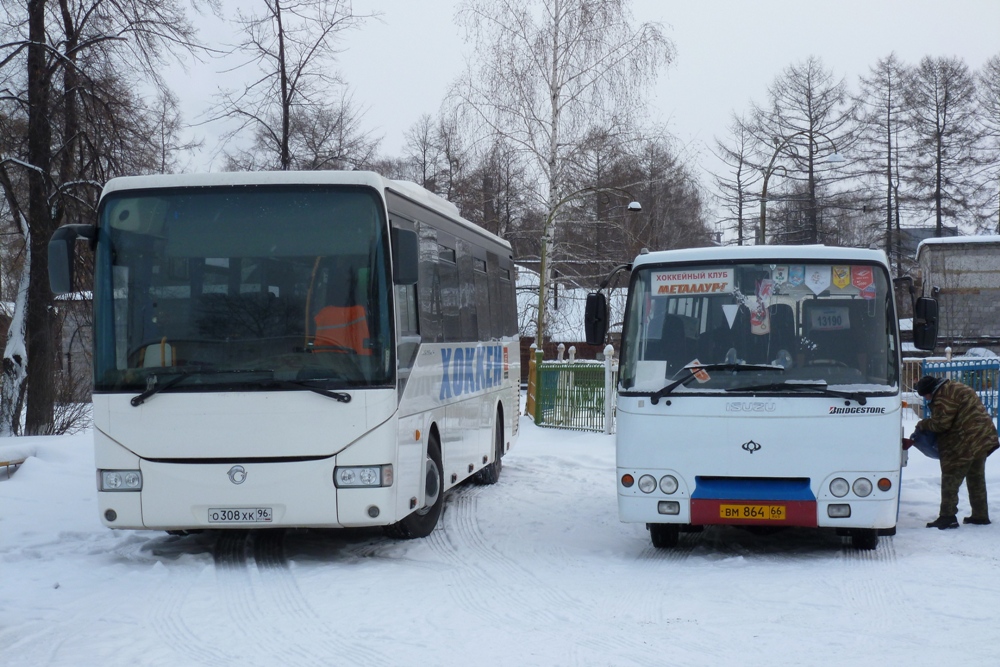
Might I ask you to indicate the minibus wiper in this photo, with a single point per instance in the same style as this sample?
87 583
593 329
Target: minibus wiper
692 371
820 387
152 386
338 395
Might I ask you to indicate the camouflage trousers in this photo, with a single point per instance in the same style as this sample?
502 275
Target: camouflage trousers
973 472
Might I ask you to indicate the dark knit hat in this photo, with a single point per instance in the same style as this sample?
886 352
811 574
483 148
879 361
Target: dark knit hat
927 384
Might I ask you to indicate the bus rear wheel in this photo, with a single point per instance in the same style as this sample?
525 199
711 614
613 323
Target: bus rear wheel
422 522
491 473
664 535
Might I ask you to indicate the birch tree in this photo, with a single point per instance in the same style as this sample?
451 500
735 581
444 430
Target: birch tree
545 72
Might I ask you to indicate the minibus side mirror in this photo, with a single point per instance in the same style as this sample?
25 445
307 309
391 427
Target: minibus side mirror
595 318
404 256
925 323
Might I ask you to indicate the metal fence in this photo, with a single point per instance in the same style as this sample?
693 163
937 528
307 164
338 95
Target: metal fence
576 394
980 374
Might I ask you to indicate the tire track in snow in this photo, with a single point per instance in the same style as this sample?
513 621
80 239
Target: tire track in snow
287 597
870 584
476 565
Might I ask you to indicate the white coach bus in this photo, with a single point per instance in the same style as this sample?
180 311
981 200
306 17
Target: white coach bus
760 386
316 349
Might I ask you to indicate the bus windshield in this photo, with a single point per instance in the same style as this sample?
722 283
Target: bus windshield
243 288
760 327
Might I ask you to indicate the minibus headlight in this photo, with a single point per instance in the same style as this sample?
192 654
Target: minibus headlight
120 480
668 484
362 476
862 487
839 487
647 483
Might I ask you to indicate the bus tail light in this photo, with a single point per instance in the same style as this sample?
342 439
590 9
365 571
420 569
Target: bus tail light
884 484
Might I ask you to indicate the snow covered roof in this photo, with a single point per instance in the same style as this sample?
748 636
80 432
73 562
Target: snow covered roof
957 240
796 253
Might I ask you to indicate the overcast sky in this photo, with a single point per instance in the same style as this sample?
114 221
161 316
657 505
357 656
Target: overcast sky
728 52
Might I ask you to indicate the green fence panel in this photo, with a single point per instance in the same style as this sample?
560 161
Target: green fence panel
571 395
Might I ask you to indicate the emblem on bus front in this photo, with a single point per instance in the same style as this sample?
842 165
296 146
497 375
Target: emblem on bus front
238 474
751 446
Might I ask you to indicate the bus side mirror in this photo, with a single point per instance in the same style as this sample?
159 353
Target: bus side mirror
595 318
925 323
62 255
404 256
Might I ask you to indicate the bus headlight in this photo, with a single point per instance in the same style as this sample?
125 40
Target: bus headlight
119 480
362 476
668 484
862 487
839 487
647 483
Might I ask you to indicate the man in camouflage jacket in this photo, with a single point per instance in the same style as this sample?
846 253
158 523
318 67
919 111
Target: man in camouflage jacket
966 435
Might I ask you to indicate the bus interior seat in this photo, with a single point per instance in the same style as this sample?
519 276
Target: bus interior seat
782 336
672 345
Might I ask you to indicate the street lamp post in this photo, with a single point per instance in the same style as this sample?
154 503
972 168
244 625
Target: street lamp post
633 206
779 144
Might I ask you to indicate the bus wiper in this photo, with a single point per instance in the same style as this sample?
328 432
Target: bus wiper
338 395
693 370
152 386
820 387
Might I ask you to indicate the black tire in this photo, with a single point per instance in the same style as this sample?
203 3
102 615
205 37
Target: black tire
864 539
422 522
491 473
664 535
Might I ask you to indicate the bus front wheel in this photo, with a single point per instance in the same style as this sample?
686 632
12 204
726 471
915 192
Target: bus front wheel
422 522
864 539
664 535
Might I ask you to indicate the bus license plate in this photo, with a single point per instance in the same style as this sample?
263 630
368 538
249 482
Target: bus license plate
240 515
757 512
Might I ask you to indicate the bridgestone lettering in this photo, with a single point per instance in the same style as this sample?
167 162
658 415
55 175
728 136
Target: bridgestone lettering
857 411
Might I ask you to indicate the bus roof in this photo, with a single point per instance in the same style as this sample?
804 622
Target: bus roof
783 253
407 189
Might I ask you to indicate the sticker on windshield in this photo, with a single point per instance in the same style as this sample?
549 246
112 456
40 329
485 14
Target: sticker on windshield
702 281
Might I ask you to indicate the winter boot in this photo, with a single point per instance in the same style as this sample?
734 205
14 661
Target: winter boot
943 523
976 520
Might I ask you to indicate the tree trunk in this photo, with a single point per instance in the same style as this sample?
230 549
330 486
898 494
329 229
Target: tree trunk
42 334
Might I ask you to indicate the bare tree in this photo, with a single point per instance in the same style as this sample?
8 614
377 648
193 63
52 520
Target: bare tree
989 104
735 186
547 71
944 157
291 48
881 120
58 59
809 118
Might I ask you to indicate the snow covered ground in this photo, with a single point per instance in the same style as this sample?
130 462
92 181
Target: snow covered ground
536 570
